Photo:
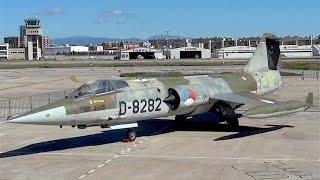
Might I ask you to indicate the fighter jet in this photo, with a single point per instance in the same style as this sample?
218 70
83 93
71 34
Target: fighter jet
121 104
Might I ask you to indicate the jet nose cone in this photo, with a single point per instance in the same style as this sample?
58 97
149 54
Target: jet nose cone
42 116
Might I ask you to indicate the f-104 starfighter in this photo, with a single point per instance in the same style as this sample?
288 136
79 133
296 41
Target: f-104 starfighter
121 104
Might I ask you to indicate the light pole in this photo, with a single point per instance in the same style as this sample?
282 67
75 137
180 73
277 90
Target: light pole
167 39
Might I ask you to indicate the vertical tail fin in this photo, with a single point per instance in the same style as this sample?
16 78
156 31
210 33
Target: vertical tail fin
266 57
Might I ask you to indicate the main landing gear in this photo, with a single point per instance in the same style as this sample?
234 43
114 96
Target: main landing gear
180 118
131 134
227 114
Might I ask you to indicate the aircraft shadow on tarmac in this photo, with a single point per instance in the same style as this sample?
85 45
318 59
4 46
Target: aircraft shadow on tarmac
146 128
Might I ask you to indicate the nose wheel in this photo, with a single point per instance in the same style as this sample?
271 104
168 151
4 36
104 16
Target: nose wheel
131 134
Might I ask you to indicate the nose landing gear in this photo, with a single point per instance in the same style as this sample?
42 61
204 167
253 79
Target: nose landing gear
131 135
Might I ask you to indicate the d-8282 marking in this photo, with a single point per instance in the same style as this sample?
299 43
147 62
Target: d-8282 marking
149 105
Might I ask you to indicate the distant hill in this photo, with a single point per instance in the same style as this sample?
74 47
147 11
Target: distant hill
85 40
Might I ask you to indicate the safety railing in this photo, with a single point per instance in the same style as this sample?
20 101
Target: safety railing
10 108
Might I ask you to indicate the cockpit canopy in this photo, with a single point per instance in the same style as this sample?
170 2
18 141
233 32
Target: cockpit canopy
98 87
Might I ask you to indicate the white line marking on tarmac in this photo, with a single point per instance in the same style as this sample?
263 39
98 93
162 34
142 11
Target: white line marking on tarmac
122 153
107 161
91 171
183 157
81 177
2 134
100 165
225 158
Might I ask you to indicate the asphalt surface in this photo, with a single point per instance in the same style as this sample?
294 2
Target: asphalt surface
286 147
281 148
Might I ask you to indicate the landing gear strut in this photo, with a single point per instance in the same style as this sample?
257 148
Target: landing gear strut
131 134
227 114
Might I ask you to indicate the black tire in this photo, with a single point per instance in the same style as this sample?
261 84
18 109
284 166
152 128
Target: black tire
233 123
179 121
180 118
131 134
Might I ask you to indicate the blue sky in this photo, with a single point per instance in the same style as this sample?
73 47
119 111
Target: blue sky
143 18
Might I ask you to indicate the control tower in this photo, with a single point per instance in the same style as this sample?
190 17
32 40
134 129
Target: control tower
33 38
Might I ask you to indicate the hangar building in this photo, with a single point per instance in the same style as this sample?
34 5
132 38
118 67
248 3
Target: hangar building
141 53
294 51
236 52
190 53
60 50
288 51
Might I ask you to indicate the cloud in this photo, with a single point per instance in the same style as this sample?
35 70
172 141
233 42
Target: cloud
51 12
119 16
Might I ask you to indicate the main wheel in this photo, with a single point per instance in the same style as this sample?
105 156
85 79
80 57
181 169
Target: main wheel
233 123
180 118
131 134
227 114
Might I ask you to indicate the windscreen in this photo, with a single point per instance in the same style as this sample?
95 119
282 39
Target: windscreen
98 87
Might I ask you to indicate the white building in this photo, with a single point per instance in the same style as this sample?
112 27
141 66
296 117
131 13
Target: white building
141 53
288 51
60 50
95 48
17 53
294 51
236 52
4 51
190 53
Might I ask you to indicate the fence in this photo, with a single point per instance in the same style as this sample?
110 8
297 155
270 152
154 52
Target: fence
14 107
303 73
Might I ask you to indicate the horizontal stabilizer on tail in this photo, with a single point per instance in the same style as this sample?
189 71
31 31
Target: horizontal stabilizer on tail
279 108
